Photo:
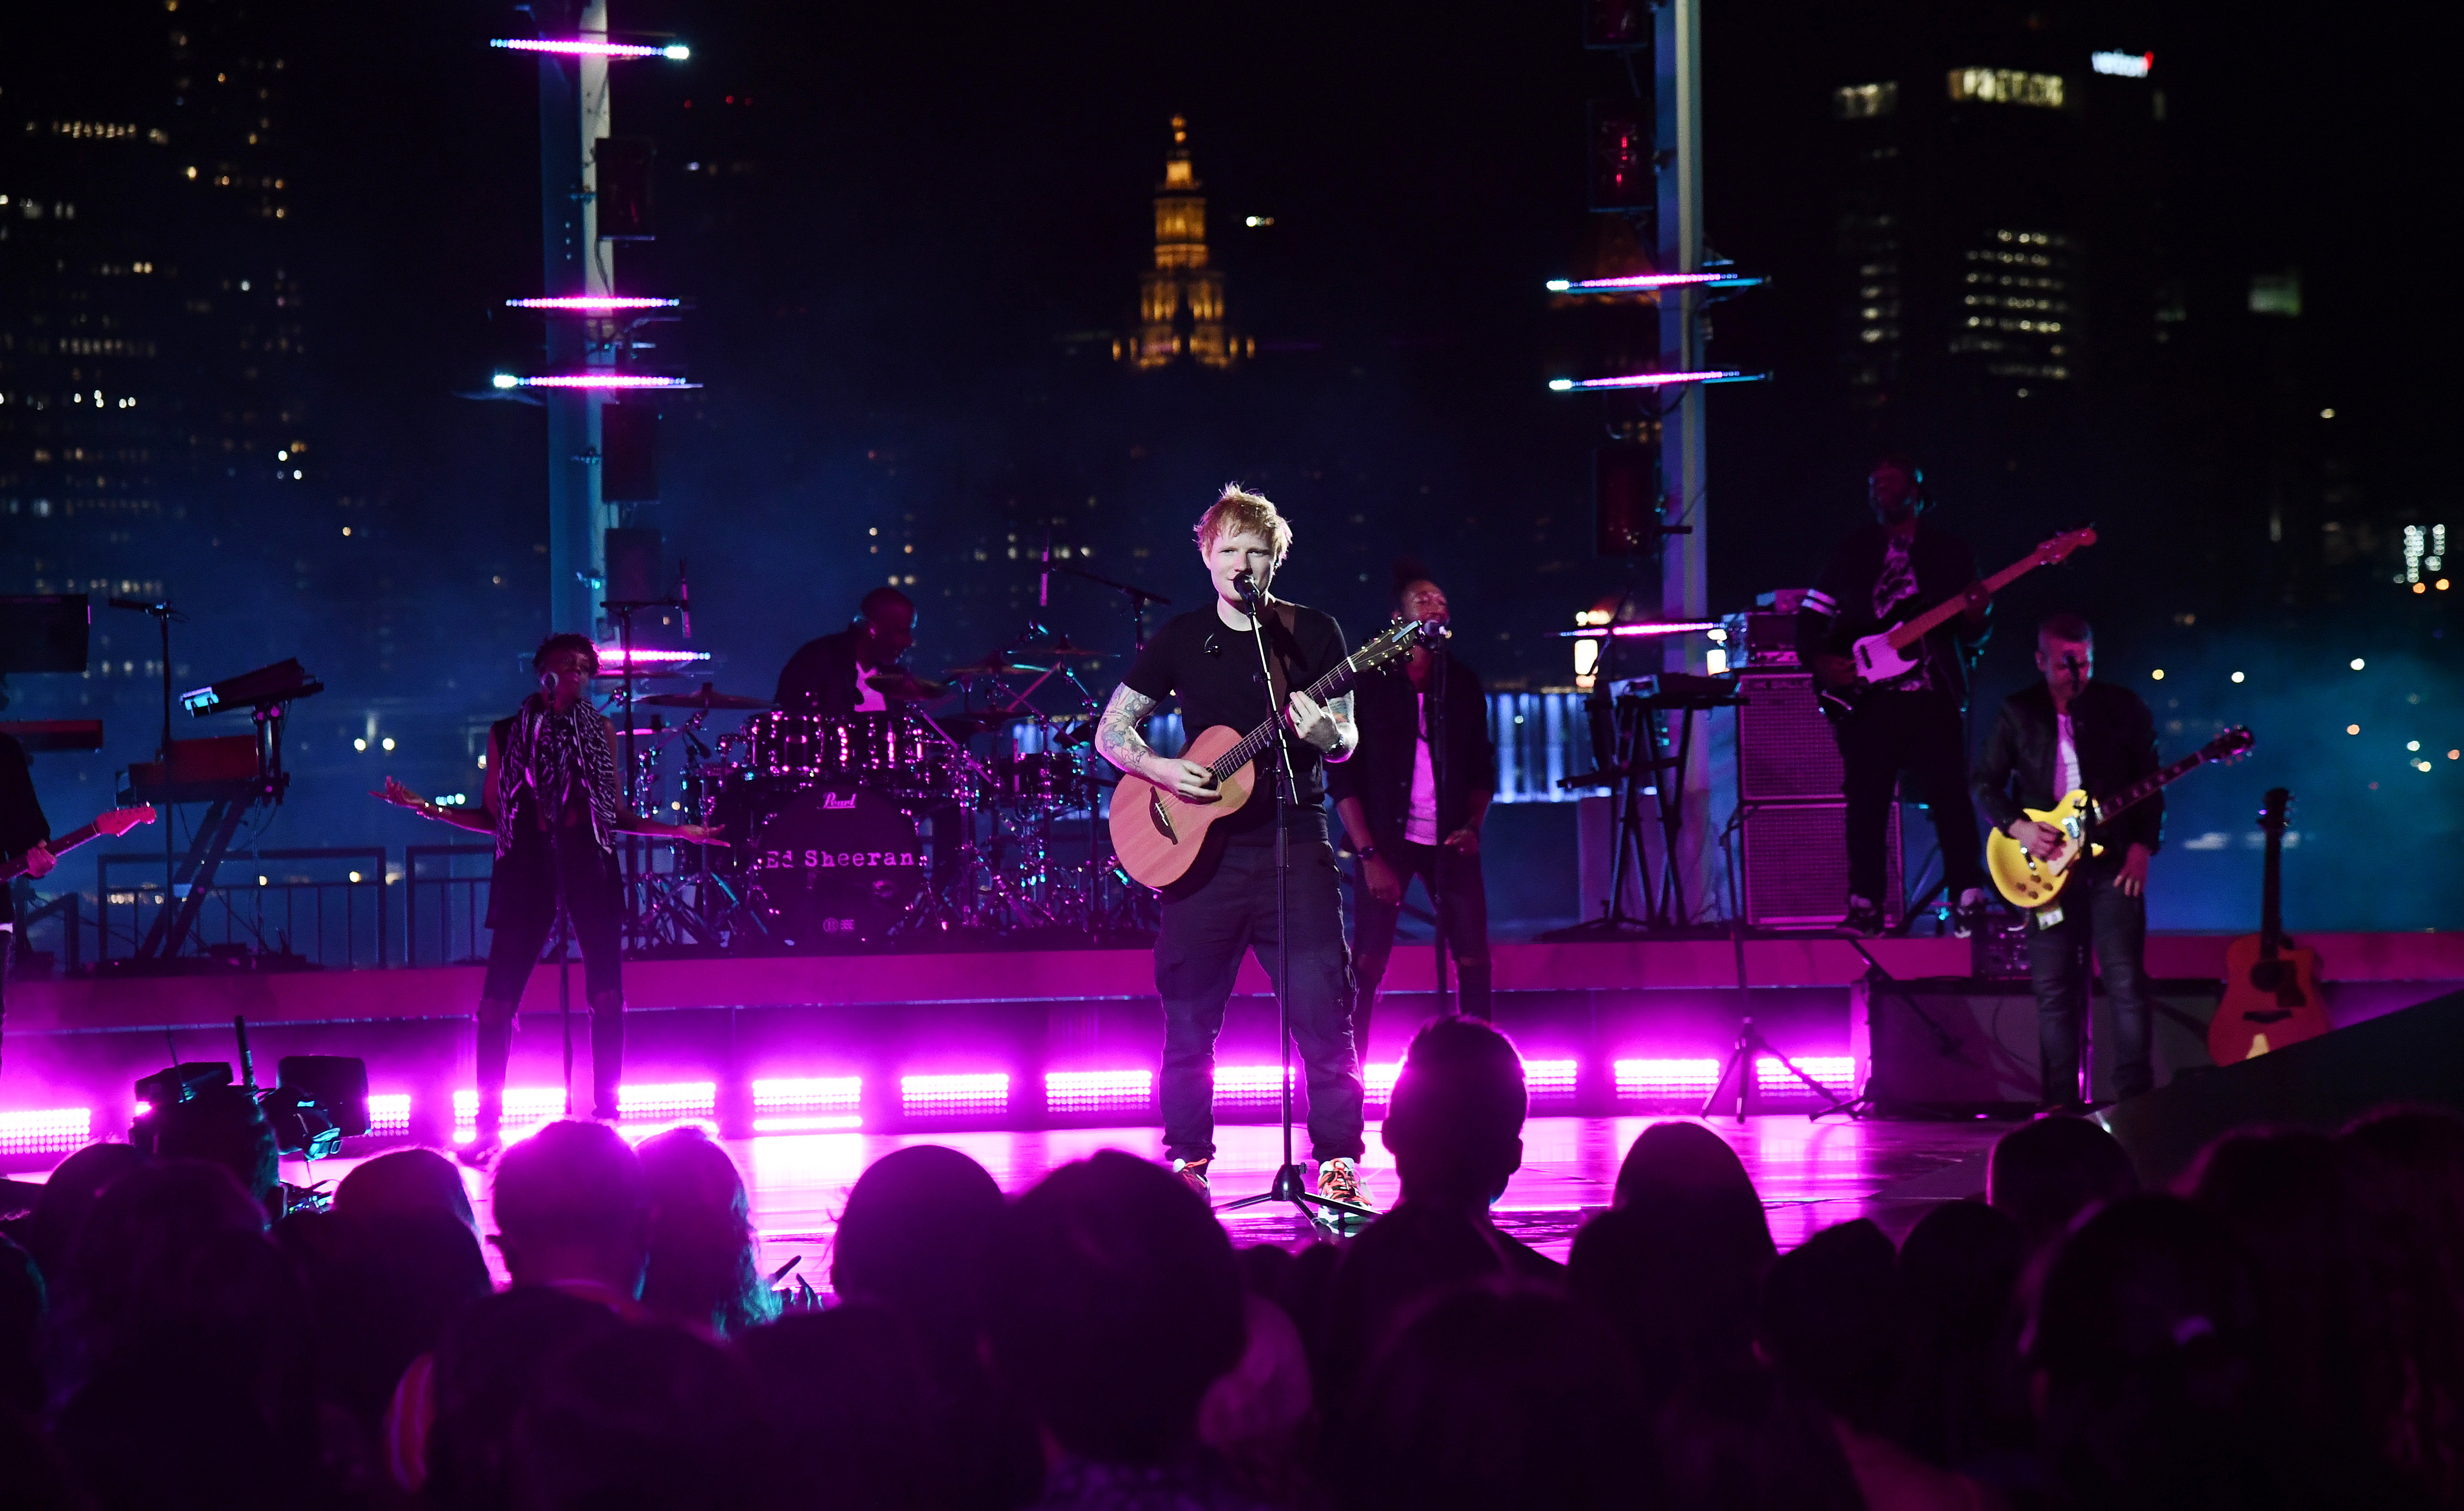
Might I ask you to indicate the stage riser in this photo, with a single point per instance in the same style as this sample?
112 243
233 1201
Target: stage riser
1994 1066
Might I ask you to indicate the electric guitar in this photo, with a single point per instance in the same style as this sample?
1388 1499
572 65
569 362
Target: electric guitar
2029 881
2271 987
1887 655
114 823
1158 834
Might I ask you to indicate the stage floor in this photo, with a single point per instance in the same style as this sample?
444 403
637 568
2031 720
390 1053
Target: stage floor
1810 1174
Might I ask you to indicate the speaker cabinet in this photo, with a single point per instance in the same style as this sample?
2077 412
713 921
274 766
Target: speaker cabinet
1796 862
1785 749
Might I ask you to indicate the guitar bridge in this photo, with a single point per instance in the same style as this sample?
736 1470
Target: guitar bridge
1160 817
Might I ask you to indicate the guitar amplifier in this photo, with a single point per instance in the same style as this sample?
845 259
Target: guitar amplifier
1943 1046
1785 749
1795 862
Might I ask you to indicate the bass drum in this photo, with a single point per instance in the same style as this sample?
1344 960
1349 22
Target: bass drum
833 864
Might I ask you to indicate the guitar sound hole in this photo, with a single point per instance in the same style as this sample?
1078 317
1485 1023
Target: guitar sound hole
2267 976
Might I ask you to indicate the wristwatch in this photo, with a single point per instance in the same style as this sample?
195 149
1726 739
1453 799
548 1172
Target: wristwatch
1367 852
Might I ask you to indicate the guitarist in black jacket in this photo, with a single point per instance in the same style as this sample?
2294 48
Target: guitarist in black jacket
2071 733
1894 570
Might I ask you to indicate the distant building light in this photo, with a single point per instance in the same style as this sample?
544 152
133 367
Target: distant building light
1865 101
594 302
2236 676
2122 65
592 380
1254 222
2007 86
1649 381
593 47
2359 663
2158 674
2276 293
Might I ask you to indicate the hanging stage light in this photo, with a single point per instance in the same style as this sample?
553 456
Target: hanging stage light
1651 381
592 380
1646 282
594 303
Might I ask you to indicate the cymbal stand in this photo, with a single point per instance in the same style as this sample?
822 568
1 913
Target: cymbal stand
975 875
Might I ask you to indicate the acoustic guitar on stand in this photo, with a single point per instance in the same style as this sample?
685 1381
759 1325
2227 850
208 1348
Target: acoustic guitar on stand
1158 834
114 823
2271 987
1886 655
2031 881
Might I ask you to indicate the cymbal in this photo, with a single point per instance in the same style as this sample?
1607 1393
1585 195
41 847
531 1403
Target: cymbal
905 685
960 726
709 698
994 668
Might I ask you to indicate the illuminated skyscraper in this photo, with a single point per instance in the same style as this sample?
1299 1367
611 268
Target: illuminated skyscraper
1180 299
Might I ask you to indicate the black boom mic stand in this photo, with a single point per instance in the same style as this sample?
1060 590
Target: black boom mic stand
1289 1185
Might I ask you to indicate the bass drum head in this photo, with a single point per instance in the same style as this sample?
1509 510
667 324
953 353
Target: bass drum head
833 864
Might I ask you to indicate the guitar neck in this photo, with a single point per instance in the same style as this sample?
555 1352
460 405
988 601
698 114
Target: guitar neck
2149 785
59 846
2271 898
1330 686
1942 613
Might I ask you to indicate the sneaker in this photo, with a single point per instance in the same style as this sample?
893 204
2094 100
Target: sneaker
481 1153
1967 914
1864 919
1340 1179
1194 1171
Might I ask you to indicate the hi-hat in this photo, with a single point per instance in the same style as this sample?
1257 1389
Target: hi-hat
708 698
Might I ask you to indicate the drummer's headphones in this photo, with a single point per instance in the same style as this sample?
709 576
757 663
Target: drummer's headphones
1917 493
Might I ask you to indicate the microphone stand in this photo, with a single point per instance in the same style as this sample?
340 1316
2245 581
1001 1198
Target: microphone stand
1288 1186
1434 723
162 614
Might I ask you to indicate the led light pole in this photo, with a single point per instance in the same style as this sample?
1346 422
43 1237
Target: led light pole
1684 582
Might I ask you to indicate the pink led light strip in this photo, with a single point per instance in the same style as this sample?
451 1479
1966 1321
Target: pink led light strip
591 47
594 303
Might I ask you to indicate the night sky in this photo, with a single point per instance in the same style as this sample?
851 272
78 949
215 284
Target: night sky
909 234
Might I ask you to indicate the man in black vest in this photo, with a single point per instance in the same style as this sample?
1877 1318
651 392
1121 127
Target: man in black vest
1412 802
1890 571
2064 735
833 675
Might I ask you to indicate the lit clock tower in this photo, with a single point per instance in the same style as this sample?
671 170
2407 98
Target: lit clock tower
1180 299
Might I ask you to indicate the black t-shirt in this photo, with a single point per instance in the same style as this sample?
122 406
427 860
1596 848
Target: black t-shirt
1213 669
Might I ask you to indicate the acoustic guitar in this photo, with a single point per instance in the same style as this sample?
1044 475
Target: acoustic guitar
2271 987
1887 655
114 823
1159 833
2030 881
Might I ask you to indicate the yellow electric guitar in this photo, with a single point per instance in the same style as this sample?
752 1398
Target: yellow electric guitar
2032 882
1159 834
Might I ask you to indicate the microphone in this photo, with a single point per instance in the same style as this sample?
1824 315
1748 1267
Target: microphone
684 598
1247 584
1044 579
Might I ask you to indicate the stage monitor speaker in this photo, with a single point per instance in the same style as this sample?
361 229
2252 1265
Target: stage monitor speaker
623 175
1623 177
628 452
633 575
2412 1055
1625 500
44 632
1953 1046
1795 860
1786 751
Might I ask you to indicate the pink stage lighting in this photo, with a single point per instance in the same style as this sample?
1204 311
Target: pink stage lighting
1665 1080
46 1130
1648 381
666 1102
594 303
527 1110
592 380
1549 1081
1248 1085
390 1113
1084 1091
613 658
808 1105
981 1094
1686 627
592 47
1645 282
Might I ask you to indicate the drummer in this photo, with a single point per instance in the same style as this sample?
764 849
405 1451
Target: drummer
833 675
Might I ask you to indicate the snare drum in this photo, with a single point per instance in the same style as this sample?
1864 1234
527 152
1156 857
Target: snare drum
788 744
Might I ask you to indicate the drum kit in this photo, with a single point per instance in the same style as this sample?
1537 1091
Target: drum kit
982 822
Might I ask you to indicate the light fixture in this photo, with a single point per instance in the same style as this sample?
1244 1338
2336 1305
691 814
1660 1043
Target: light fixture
592 380
592 47
2352 729
2158 674
1650 381
594 303
1645 282
2236 676
2359 663
1621 632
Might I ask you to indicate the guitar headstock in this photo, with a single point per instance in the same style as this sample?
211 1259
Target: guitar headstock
1396 640
2231 745
120 821
2060 546
2273 809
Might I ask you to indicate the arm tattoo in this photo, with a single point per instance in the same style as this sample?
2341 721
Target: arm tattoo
1117 735
1347 734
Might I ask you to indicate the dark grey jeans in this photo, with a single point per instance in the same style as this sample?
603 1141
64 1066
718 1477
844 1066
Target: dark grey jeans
1197 955
2096 915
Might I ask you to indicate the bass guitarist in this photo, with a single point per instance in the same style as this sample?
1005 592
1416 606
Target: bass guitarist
1893 570
1227 905
2069 733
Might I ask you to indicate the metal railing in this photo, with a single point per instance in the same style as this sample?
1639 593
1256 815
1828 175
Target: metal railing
457 877
65 908
324 907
